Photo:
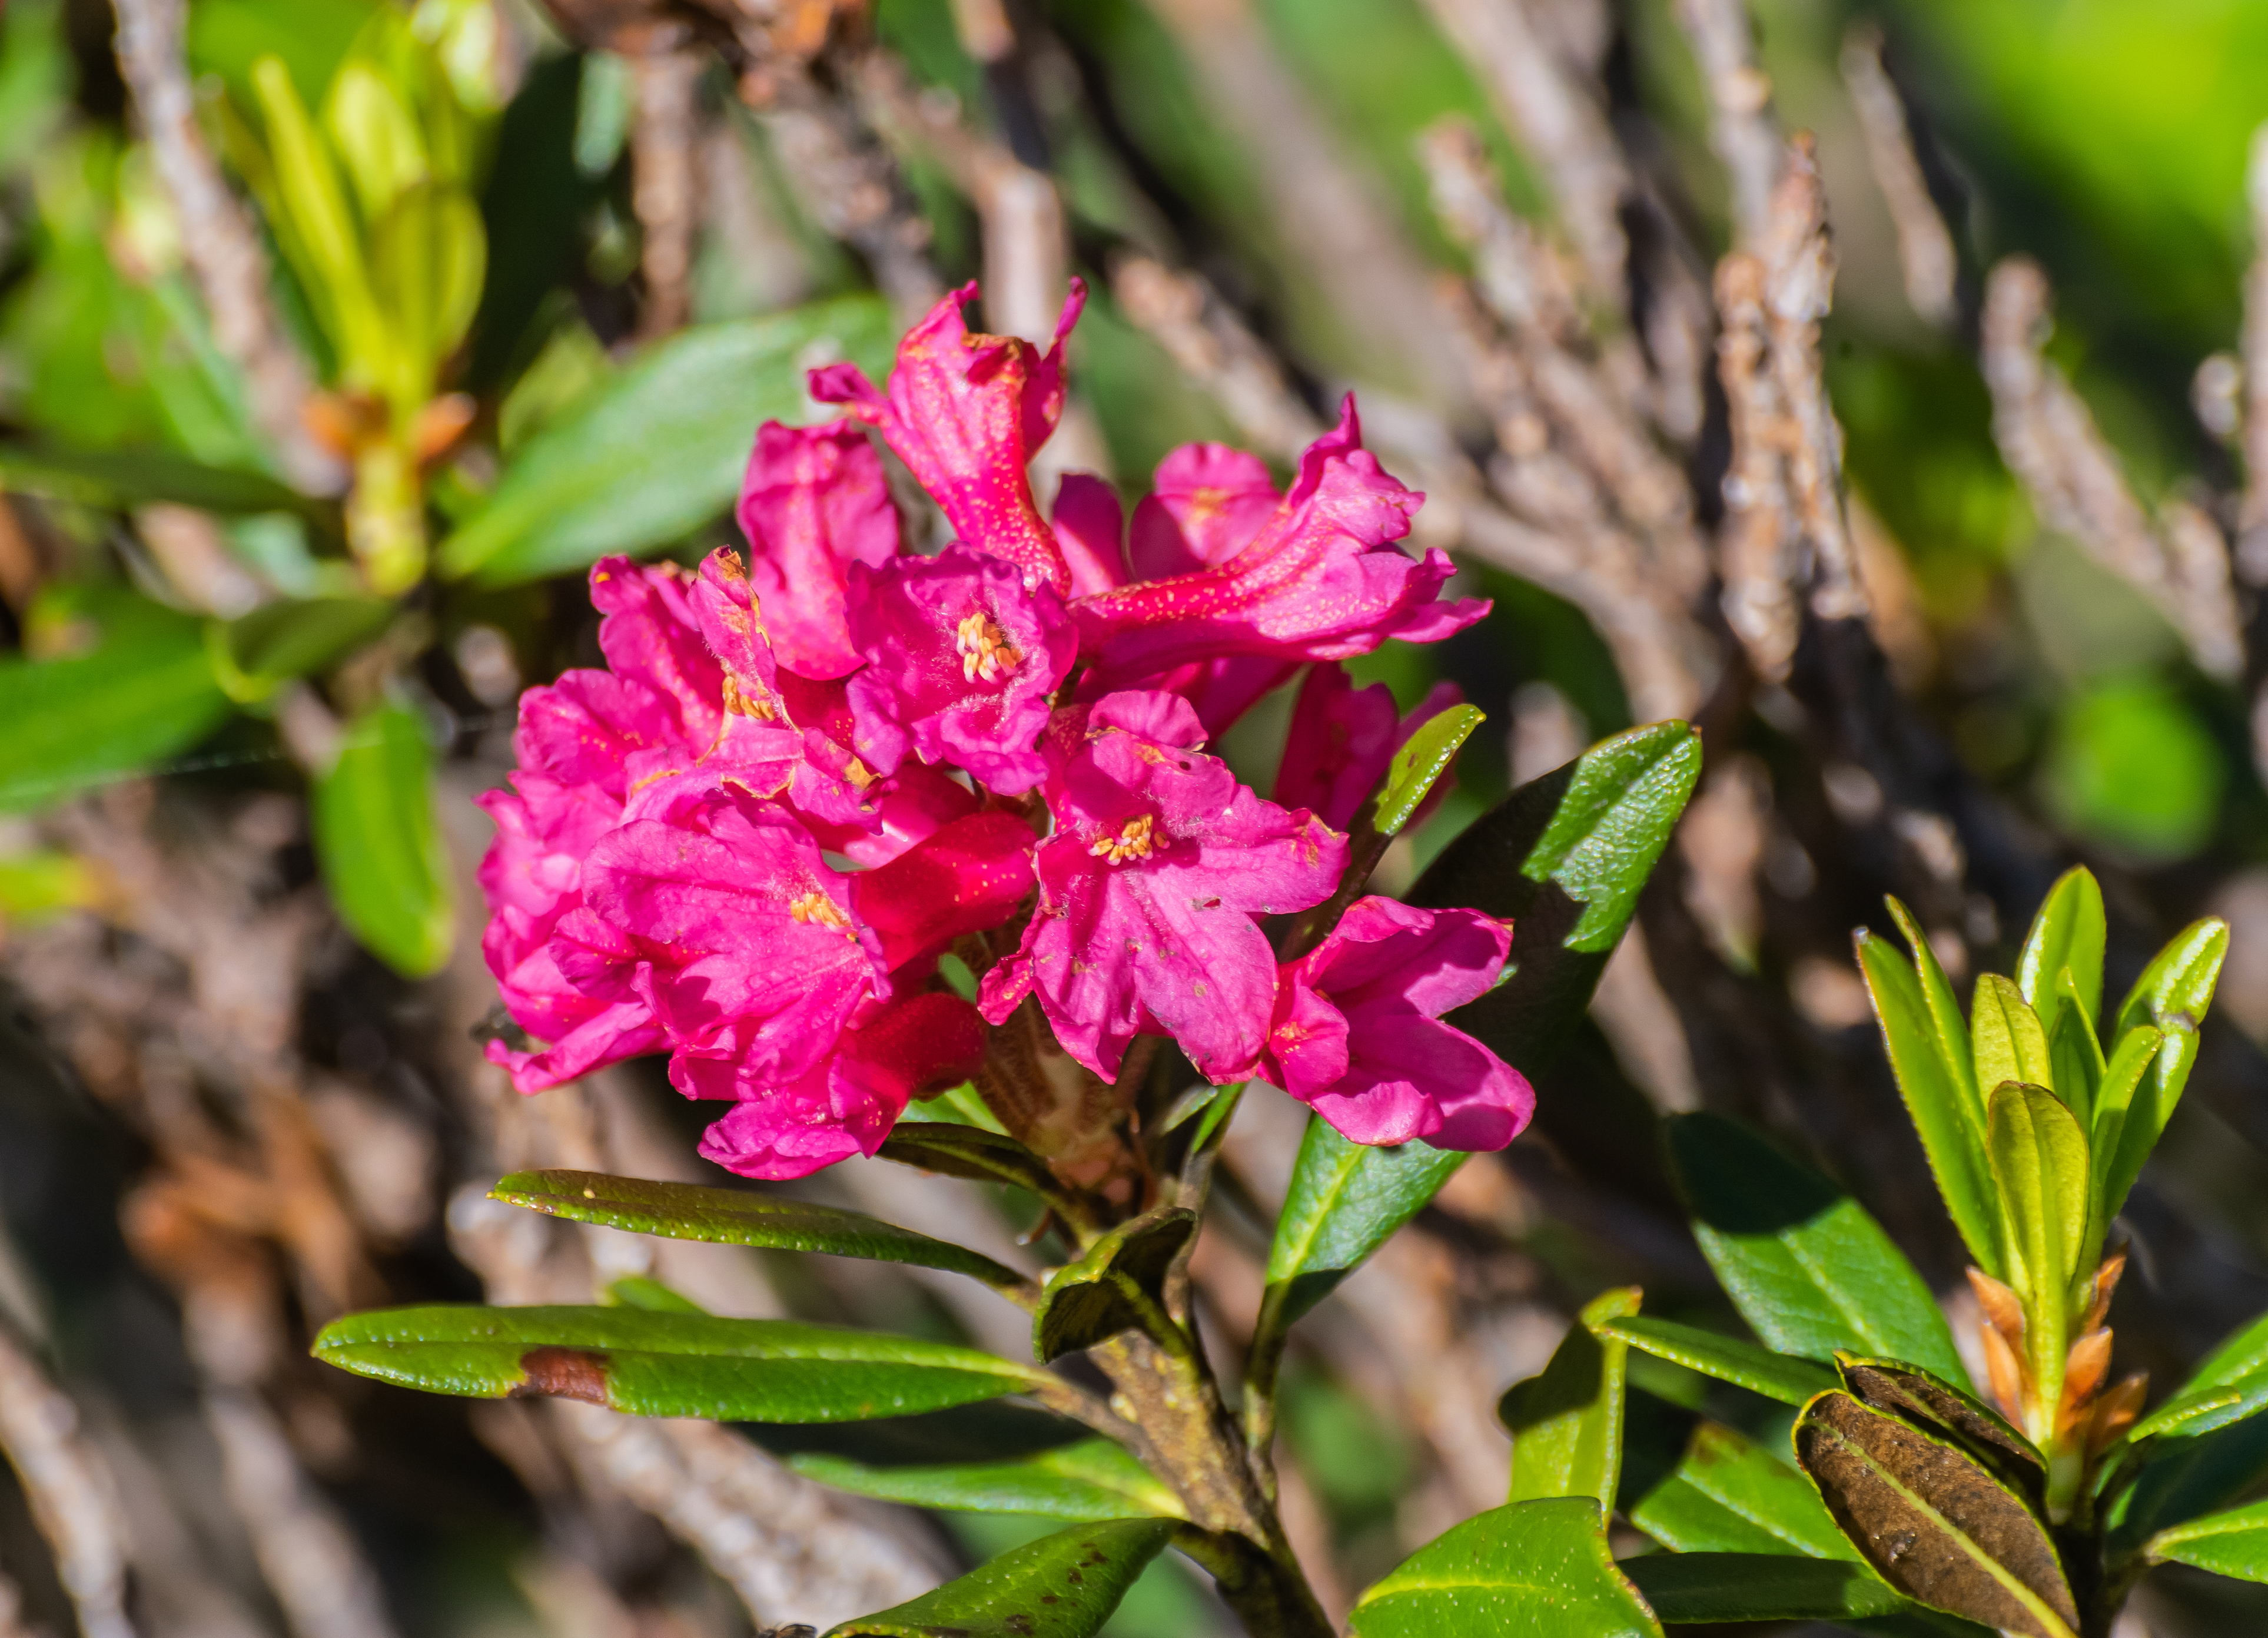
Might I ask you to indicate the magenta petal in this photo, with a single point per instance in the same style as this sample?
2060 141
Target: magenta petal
1207 504
814 503
1341 741
961 661
968 876
651 635
626 1030
1090 528
964 413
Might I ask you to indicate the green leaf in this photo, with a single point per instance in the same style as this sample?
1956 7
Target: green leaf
2074 1055
36 887
2231 1384
1934 1524
380 850
316 220
682 1211
1730 1495
1929 1054
2183 1476
955 1150
117 480
2234 1544
2010 1045
1092 1479
146 693
2131 1064
1061 1586
1532 1568
1422 759
1781 1376
658 450
1807 1267
2068 932
1709 1587
1117 1286
429 254
1930 1402
659 1364
374 137
638 1291
278 641
2039 1159
1566 1424
2173 994
1565 856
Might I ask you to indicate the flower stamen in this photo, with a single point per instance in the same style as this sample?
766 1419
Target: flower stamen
984 649
1133 841
816 906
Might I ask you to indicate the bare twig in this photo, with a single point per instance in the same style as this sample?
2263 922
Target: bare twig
2051 442
219 240
1925 252
1756 541
1212 347
1741 128
1555 109
2252 511
73 1498
844 181
666 182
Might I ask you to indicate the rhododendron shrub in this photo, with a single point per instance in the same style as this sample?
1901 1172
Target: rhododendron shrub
1003 746
933 855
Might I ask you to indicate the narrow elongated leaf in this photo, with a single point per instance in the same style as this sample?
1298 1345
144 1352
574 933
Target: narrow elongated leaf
1930 1402
658 450
1708 1586
1565 856
954 1150
2234 1544
379 847
2187 1475
428 254
1935 1078
1567 1423
1807 1267
1951 1027
146 693
281 640
2132 1062
1533 1567
1117 1286
736 1217
2039 1159
1779 1377
2231 1384
1421 762
2067 933
1934 1523
119 479
1061 1586
2074 1055
2173 994
1730 1495
1089 1480
2009 1044
663 1364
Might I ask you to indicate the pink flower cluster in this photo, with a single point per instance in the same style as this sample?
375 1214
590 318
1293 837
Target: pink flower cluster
1025 710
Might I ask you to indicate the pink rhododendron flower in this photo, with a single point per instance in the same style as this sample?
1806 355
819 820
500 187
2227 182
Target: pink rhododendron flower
965 412
1206 504
961 662
846 1105
968 876
1342 740
1358 1033
1148 888
1090 531
814 503
1322 580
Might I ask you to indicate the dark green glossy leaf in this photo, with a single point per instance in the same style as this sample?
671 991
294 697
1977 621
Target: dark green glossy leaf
1807 1267
2234 1544
120 479
737 1217
1533 1567
658 450
1563 856
1730 1495
954 1150
1118 1285
1422 760
1931 1402
1707 1586
2039 1159
2185 1475
1061 1586
2231 1384
2173 994
281 640
380 846
1089 1480
1934 1524
1566 1423
147 692
2067 933
1929 1052
666 1364
1780 1376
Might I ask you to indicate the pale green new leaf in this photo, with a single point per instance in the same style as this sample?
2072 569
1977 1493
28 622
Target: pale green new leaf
2039 1159
2067 933
2173 992
1422 760
2010 1044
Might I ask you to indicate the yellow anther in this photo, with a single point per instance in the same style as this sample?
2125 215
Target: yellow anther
985 651
1133 841
741 703
816 906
